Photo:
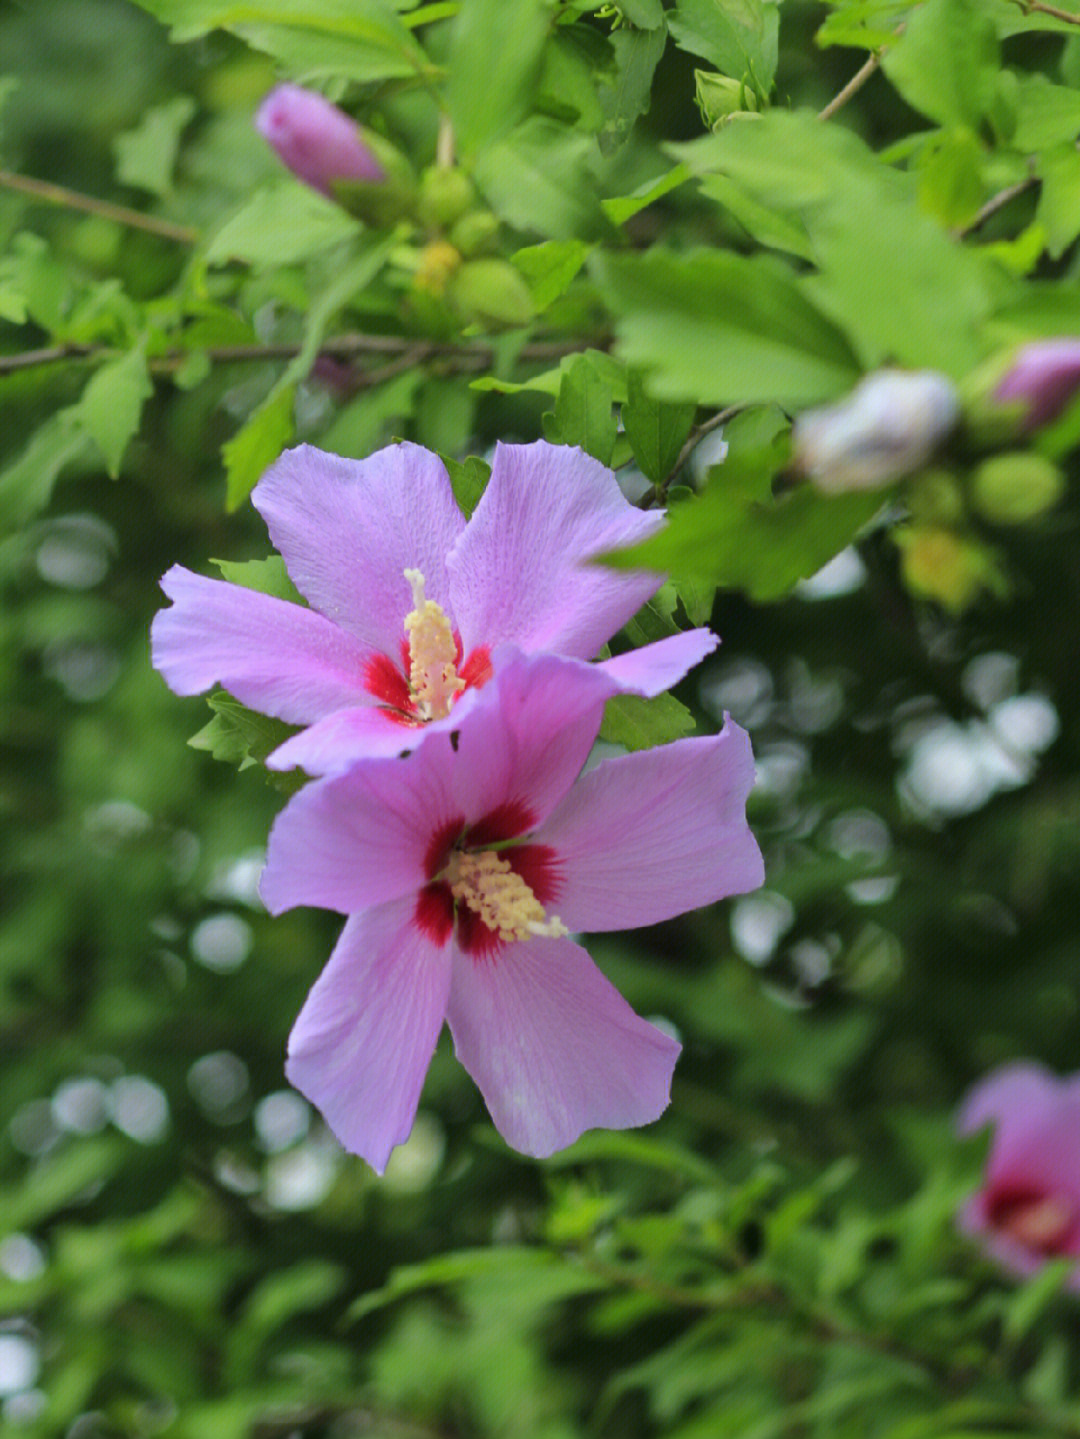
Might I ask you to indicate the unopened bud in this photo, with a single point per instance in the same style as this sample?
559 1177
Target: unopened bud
1043 378
720 98
1012 489
950 568
491 292
319 143
475 232
888 426
445 194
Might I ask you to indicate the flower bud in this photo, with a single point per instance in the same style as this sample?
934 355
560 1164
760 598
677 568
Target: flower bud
444 196
888 426
720 98
475 232
1012 489
491 292
1043 377
948 567
319 143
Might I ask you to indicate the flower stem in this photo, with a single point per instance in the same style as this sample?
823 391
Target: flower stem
72 200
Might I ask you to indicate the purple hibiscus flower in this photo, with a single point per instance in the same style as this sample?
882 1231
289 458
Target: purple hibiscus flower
463 869
408 599
318 142
1028 1208
1045 375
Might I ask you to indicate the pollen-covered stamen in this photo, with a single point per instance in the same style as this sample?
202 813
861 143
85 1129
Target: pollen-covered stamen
485 882
433 676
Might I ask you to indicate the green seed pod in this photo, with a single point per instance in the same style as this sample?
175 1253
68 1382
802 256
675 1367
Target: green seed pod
474 232
491 292
445 195
934 497
1014 488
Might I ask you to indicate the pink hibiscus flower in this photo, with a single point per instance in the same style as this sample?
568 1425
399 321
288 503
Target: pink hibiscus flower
408 599
1028 1209
463 869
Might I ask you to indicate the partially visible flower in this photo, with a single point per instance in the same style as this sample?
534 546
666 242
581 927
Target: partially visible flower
890 424
408 600
1044 376
319 143
463 870
1028 1208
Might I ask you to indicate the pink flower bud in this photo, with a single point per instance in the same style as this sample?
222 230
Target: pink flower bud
319 143
1027 1210
1045 375
888 426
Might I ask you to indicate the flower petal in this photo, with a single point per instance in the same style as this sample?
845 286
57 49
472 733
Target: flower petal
554 1047
348 529
341 739
1006 1098
528 733
364 1039
275 656
649 835
654 668
361 838
518 572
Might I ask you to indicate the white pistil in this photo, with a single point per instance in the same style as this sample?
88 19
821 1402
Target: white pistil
498 894
433 676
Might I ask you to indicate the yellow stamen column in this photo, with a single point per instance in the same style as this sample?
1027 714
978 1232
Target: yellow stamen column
433 676
497 893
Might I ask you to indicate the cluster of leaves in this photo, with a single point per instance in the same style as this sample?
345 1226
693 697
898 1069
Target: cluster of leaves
710 228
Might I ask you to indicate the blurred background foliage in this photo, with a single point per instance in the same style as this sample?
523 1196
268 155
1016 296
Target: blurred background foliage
185 1250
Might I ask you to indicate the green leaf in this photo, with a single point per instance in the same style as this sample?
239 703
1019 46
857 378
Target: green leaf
1046 114
550 267
550 382
637 723
761 222
280 225
539 179
269 577
656 431
1033 1298
736 535
739 37
583 412
950 177
258 442
111 405
241 737
637 54
621 208
487 100
887 272
468 480
145 156
26 485
1058 210
945 63
361 40
723 329
643 14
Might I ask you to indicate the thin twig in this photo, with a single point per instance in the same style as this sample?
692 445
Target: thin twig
995 203
697 434
342 347
857 81
72 200
1069 16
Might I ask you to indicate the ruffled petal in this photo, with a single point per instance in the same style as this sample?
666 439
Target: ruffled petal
349 735
1006 1098
554 1047
275 656
651 834
518 572
654 668
363 1041
361 838
348 529
528 733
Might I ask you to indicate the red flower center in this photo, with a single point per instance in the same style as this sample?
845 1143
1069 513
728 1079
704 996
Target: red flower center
531 869
1039 1220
